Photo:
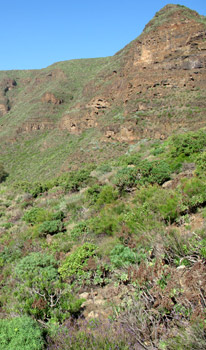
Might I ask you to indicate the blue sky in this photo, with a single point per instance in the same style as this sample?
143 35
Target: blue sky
35 34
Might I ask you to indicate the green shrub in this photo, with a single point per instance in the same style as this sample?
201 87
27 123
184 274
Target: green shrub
3 173
189 143
143 173
159 173
92 193
9 254
107 195
36 215
34 188
194 192
40 291
163 204
129 159
105 224
75 180
36 268
201 164
51 227
20 333
122 256
73 265
79 230
126 178
192 337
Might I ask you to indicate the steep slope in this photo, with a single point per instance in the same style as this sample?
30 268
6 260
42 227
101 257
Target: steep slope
89 110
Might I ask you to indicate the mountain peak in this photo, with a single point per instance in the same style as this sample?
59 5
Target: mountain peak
173 13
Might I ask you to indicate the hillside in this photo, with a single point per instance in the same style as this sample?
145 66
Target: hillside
103 196
89 110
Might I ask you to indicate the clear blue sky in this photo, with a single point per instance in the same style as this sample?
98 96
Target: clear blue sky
37 33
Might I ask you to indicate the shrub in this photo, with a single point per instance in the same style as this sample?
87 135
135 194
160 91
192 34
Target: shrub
79 230
143 173
164 204
122 256
73 265
36 268
91 335
36 215
104 168
194 192
201 164
129 159
40 291
189 143
126 178
92 193
107 195
75 180
105 224
50 227
193 337
3 173
20 333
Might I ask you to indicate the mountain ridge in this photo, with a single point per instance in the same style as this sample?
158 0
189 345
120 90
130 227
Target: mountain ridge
111 98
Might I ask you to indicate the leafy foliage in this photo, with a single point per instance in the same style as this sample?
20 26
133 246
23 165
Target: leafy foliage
73 265
36 215
51 227
143 173
122 256
20 333
189 143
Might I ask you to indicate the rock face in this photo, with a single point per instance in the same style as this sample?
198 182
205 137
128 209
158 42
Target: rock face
48 97
5 86
3 109
167 60
149 89
35 125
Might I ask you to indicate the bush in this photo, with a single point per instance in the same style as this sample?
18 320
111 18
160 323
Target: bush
143 173
104 168
37 268
36 215
107 195
105 224
92 335
79 230
201 164
165 204
40 291
92 193
188 144
75 180
3 173
126 178
50 227
20 333
73 265
122 256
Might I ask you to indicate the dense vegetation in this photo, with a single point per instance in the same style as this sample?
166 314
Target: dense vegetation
135 224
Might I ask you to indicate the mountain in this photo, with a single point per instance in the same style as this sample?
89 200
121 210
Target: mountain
103 196
91 109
